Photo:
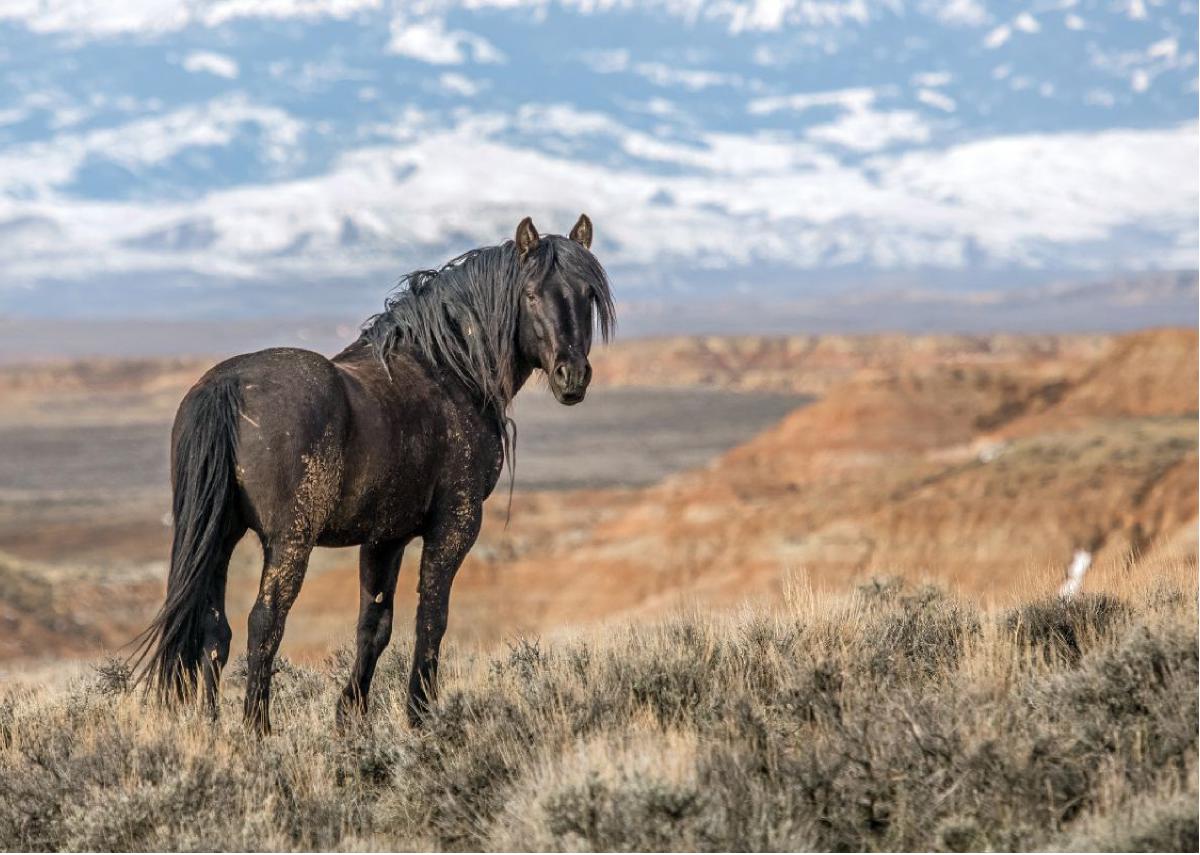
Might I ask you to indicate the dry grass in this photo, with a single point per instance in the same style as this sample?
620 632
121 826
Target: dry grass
892 718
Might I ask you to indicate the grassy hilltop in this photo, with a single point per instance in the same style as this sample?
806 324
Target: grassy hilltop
894 717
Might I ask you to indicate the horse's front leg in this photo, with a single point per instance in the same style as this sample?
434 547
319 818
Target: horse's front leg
378 566
446 544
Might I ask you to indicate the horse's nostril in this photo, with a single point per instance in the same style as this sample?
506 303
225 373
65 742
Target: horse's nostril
562 374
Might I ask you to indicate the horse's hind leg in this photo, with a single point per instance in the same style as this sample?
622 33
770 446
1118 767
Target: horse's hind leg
215 626
378 567
283 573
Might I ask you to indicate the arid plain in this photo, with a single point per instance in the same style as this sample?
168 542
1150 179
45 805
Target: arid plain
701 472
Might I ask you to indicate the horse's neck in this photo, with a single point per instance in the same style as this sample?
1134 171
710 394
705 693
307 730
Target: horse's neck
362 354
521 373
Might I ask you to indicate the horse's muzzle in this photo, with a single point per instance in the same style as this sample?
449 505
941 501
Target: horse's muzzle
570 379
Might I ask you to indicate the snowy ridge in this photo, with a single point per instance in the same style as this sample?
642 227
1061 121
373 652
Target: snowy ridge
296 140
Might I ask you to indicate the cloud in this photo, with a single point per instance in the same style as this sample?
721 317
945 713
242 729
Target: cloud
851 99
871 130
860 127
933 78
429 41
968 13
997 37
736 16
207 62
937 100
606 61
658 73
40 169
1026 23
457 84
163 16
694 79
672 155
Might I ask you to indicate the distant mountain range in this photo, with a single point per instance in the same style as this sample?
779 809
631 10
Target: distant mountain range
229 159
1136 302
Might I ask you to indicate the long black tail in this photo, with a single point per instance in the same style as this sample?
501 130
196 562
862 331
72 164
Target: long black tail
168 652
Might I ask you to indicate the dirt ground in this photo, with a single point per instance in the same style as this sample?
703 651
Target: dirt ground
983 463
112 477
84 495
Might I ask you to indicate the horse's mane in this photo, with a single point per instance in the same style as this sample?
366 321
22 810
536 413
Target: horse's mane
463 316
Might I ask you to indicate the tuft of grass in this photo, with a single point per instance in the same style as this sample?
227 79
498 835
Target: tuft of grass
1063 627
113 676
892 718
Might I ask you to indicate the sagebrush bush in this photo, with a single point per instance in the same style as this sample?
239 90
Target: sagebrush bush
897 718
1062 628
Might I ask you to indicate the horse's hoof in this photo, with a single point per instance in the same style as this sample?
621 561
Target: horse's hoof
349 715
418 716
259 726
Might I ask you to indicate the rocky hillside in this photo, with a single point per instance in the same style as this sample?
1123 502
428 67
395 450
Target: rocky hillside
149 389
985 462
987 473
815 364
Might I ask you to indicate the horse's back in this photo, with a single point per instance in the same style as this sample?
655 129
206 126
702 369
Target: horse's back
346 451
292 426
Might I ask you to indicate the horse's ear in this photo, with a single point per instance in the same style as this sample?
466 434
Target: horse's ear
582 233
527 236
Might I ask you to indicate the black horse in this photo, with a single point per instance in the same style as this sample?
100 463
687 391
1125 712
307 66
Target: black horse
401 435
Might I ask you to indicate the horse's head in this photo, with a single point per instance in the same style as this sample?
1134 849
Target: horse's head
564 293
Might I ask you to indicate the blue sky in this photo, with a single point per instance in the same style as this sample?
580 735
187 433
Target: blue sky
165 155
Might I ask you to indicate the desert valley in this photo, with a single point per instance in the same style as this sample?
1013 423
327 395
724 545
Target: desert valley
701 473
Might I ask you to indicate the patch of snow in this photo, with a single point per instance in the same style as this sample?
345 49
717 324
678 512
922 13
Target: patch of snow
990 451
1006 197
1081 561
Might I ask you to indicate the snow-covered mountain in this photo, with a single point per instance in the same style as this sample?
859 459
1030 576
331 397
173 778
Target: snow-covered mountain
228 157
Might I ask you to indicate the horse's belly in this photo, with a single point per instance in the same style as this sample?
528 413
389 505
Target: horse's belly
376 527
389 503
